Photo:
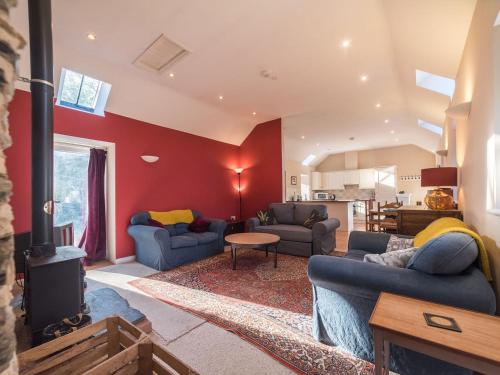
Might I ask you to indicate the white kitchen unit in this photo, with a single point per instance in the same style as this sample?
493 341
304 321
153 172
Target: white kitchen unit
351 177
367 178
333 180
316 181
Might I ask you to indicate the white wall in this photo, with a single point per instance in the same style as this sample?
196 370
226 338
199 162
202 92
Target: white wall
294 168
475 83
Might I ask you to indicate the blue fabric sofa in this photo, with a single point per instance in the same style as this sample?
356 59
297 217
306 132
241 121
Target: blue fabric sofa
174 245
295 238
345 290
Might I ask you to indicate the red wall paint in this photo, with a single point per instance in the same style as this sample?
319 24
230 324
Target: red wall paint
193 172
260 155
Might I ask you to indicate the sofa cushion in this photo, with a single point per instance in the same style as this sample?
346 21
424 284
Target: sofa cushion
397 243
449 254
356 254
395 258
177 242
202 238
303 212
282 212
171 230
181 229
287 232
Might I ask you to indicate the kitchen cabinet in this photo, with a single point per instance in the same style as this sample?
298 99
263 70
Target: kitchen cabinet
316 181
333 180
351 177
367 178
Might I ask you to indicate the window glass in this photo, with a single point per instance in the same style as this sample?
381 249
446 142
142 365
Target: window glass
71 86
89 92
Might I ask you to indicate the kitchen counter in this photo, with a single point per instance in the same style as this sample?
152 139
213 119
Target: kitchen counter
338 209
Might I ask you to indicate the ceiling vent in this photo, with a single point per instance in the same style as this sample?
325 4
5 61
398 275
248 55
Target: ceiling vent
160 54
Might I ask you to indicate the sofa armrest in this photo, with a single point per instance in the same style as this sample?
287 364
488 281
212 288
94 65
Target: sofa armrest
152 245
368 241
218 226
367 280
326 226
252 223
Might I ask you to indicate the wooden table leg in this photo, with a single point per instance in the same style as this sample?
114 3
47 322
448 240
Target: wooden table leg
378 348
267 250
233 255
387 356
275 255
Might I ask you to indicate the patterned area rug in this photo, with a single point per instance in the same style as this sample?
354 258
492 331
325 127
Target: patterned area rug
268 307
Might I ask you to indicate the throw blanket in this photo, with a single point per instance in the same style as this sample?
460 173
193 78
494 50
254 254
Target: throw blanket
173 217
450 224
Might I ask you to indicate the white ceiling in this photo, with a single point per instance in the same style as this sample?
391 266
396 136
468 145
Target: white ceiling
317 89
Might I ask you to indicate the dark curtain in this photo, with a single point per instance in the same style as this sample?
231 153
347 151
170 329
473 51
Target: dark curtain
94 236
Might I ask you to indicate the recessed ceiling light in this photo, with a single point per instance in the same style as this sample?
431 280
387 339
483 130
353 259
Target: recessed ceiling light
221 97
303 137
396 139
345 43
317 144
392 132
363 78
91 36
254 113
386 121
378 105
171 75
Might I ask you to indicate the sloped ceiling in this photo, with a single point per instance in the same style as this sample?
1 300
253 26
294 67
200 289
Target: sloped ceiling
316 90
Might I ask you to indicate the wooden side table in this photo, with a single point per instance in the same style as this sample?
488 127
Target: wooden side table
412 220
399 320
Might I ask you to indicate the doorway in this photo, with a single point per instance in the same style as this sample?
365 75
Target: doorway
78 145
71 187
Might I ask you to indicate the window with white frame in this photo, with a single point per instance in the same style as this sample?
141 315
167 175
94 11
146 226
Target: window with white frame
81 92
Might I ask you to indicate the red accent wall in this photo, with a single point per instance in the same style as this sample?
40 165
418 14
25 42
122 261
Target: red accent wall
262 179
193 172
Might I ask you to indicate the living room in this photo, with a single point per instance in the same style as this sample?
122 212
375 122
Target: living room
147 158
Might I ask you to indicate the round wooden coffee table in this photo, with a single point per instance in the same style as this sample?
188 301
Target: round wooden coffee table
253 239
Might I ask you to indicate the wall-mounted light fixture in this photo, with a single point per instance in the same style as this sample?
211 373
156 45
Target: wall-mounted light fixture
238 172
150 158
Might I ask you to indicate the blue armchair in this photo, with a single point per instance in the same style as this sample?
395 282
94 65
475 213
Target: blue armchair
345 290
174 245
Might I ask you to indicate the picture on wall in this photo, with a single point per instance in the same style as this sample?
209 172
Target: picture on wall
293 180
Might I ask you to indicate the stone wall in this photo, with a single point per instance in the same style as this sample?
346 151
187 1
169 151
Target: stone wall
10 42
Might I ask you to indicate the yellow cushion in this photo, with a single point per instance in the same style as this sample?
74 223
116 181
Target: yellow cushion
173 217
450 224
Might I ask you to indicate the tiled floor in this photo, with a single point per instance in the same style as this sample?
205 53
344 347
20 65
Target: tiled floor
205 347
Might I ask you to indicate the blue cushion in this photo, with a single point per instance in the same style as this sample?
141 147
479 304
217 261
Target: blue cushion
449 254
202 238
181 228
171 230
177 242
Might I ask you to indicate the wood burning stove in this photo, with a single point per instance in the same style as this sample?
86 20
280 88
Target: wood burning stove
53 276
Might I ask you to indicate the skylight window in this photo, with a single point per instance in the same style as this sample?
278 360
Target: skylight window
308 160
434 82
436 129
81 92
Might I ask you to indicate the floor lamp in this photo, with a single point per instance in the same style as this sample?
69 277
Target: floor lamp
238 172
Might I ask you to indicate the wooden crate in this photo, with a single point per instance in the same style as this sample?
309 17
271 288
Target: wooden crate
144 358
82 350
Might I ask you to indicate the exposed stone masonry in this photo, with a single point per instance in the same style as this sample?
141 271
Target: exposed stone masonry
10 43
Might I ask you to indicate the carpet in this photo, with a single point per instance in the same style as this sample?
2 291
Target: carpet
271 308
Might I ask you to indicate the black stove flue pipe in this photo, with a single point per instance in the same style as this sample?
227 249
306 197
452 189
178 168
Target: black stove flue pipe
42 128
